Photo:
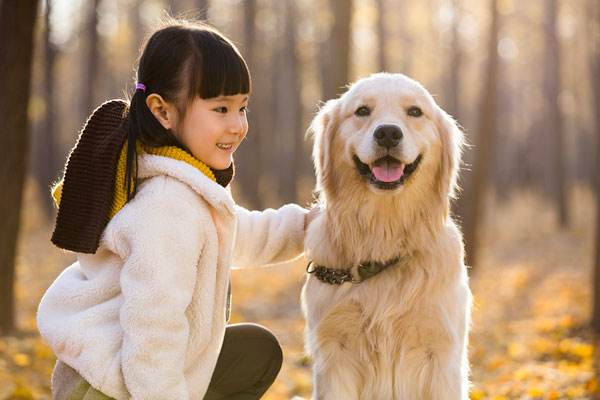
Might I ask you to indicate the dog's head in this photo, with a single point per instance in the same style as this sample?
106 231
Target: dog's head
386 135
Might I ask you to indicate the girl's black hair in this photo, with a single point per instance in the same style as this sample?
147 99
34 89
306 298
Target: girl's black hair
180 62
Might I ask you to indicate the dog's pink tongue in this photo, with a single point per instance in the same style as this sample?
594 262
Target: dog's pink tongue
388 172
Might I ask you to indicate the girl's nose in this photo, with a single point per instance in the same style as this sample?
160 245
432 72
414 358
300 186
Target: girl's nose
237 124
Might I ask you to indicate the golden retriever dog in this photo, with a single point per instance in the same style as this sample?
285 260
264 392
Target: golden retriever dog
386 301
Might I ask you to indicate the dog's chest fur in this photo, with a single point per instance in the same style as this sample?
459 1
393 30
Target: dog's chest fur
380 323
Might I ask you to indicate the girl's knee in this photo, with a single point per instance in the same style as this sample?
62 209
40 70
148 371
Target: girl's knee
262 347
273 356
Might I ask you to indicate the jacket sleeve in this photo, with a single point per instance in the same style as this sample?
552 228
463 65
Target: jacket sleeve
269 236
162 246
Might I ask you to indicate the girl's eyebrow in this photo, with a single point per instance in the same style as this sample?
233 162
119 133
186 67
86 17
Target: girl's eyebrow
228 98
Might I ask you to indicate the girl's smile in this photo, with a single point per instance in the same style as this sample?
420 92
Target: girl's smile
225 147
212 129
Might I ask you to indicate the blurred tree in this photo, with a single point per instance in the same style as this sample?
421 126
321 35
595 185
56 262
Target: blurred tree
595 73
335 50
17 23
288 114
175 7
188 9
248 156
203 6
554 119
456 58
404 34
268 28
92 59
453 86
137 27
486 131
502 170
45 148
382 34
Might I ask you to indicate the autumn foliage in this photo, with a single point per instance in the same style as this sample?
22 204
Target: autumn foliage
529 340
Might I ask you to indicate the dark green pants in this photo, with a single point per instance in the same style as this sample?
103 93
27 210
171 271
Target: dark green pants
249 362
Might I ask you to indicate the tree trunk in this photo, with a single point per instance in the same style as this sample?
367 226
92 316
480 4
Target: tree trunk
456 58
176 7
486 132
335 51
203 6
382 35
554 129
90 74
137 29
45 161
289 112
17 23
404 36
248 156
453 89
595 73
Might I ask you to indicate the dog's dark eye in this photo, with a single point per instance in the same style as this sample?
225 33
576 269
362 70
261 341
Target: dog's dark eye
414 111
362 111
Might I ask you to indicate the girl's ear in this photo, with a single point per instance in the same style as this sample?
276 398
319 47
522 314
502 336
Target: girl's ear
163 111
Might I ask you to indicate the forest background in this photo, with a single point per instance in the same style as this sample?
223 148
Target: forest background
521 77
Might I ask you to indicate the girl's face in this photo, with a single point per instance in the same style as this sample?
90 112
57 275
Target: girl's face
212 129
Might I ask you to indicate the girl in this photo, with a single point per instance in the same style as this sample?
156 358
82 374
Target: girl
145 203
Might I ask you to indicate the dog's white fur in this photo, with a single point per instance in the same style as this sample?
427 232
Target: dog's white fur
403 333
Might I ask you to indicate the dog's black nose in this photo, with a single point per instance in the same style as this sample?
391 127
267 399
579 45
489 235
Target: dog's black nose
388 135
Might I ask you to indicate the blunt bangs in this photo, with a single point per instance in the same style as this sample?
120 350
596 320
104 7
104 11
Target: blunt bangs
218 68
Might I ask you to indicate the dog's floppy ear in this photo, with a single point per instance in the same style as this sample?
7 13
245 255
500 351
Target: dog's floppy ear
323 129
452 140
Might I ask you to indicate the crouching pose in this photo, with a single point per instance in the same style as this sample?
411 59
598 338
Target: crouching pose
145 204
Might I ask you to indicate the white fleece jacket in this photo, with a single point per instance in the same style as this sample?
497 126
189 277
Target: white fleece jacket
144 317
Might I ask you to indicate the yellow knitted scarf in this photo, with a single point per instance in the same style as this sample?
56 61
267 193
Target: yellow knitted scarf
120 191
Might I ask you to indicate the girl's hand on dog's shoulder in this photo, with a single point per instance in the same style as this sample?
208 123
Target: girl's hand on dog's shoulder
312 214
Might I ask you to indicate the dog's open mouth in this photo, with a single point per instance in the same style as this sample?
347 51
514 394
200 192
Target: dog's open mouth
387 172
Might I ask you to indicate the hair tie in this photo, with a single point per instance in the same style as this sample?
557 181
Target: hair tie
140 86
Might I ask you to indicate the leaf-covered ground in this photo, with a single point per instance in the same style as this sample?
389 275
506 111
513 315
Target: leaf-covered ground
529 338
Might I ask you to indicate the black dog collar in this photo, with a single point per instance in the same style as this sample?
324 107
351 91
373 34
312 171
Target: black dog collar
337 276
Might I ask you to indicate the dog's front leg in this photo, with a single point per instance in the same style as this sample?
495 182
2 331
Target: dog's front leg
429 375
434 365
449 378
335 380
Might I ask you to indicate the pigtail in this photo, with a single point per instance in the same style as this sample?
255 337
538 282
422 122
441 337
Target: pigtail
132 126
142 126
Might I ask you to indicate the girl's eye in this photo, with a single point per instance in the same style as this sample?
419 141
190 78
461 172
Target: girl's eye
222 110
362 111
244 109
414 111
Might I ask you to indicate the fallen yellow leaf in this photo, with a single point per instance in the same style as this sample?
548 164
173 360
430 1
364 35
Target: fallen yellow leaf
42 351
477 394
21 393
552 395
535 392
22 360
516 350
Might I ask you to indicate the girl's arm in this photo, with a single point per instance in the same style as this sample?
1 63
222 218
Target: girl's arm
162 243
269 236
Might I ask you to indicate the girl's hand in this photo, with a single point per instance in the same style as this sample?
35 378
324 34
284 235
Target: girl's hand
311 215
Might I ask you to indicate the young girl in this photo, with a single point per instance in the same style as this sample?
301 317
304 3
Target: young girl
145 203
